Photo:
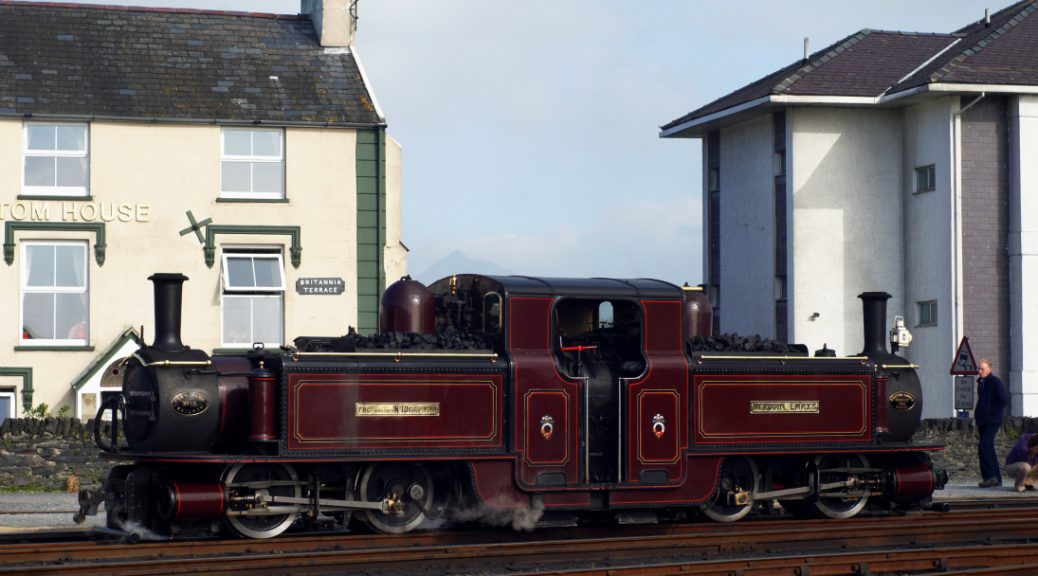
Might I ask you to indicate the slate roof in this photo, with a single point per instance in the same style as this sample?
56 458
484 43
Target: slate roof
174 64
875 63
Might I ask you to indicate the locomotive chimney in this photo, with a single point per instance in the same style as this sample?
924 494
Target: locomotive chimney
874 318
168 291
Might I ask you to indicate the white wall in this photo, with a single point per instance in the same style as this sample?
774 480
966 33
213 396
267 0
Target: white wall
1023 253
747 228
846 185
928 250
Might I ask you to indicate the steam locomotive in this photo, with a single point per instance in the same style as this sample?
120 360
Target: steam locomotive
594 397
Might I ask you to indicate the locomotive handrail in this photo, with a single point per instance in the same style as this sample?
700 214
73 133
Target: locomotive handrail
168 363
115 404
491 355
785 358
899 366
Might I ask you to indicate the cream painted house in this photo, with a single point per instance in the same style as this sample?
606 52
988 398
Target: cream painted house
244 150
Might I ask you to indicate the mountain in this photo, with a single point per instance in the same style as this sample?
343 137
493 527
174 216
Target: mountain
458 263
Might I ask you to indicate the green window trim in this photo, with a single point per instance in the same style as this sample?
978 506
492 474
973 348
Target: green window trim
48 198
26 375
98 228
252 201
54 348
212 230
102 361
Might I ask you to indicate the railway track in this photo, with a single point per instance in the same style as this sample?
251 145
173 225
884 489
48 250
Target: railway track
917 542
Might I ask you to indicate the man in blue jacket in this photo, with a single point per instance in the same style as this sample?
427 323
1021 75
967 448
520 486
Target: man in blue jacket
991 404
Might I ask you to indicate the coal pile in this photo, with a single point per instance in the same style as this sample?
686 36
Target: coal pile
736 343
447 340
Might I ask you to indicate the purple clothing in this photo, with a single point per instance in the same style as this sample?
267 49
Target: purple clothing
1019 452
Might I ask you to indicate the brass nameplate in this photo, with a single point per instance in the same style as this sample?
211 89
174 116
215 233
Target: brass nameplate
784 407
398 409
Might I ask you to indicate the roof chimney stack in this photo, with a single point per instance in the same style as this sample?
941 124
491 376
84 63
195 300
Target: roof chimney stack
987 17
334 20
807 46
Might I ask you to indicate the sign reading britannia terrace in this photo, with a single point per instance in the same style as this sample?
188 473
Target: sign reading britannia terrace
307 286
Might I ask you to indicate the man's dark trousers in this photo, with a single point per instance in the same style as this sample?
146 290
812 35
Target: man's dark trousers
986 449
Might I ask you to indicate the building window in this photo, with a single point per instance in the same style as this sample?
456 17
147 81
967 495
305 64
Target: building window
54 294
253 298
927 313
252 164
55 160
6 404
924 178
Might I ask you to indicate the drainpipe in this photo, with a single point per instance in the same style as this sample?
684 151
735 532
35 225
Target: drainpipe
956 191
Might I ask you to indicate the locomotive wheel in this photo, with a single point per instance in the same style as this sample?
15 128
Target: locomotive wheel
261 480
846 502
408 486
738 475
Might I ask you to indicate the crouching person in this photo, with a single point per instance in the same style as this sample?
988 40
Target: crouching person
1022 462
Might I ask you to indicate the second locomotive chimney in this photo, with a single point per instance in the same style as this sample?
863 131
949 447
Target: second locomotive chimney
874 319
168 293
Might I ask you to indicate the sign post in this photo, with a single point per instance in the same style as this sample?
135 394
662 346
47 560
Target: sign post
964 368
963 393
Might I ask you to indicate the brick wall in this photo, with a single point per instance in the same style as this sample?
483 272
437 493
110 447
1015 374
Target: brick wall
985 230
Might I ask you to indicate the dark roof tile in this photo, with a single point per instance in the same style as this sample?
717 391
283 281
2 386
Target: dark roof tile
873 63
83 60
1002 52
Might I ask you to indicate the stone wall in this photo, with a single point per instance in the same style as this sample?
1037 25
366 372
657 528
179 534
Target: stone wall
44 454
47 454
959 437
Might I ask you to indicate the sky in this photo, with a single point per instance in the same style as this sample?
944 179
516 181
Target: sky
530 130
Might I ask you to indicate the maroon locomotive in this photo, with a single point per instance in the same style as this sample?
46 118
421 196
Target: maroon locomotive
513 394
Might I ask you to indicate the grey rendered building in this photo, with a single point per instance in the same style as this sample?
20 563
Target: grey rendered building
894 161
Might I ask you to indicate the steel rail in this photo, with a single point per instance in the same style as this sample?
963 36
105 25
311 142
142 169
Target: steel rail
367 553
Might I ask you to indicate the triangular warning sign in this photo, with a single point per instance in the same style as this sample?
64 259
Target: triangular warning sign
963 363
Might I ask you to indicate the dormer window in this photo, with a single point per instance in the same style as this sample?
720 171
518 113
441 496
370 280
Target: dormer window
55 159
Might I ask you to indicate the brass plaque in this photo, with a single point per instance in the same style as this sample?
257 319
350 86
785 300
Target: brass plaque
189 403
902 401
398 409
784 407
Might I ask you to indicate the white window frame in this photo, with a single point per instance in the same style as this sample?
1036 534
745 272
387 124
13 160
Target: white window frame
10 394
253 159
56 190
24 289
230 292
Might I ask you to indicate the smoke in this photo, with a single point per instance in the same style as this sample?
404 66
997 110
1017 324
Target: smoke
498 513
137 531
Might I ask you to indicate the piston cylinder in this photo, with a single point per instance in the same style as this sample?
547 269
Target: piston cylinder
191 500
912 483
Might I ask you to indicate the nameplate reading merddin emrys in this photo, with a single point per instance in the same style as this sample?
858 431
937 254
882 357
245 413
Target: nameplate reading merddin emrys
309 286
398 409
784 407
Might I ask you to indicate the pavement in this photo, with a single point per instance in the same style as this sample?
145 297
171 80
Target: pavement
42 511
33 511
